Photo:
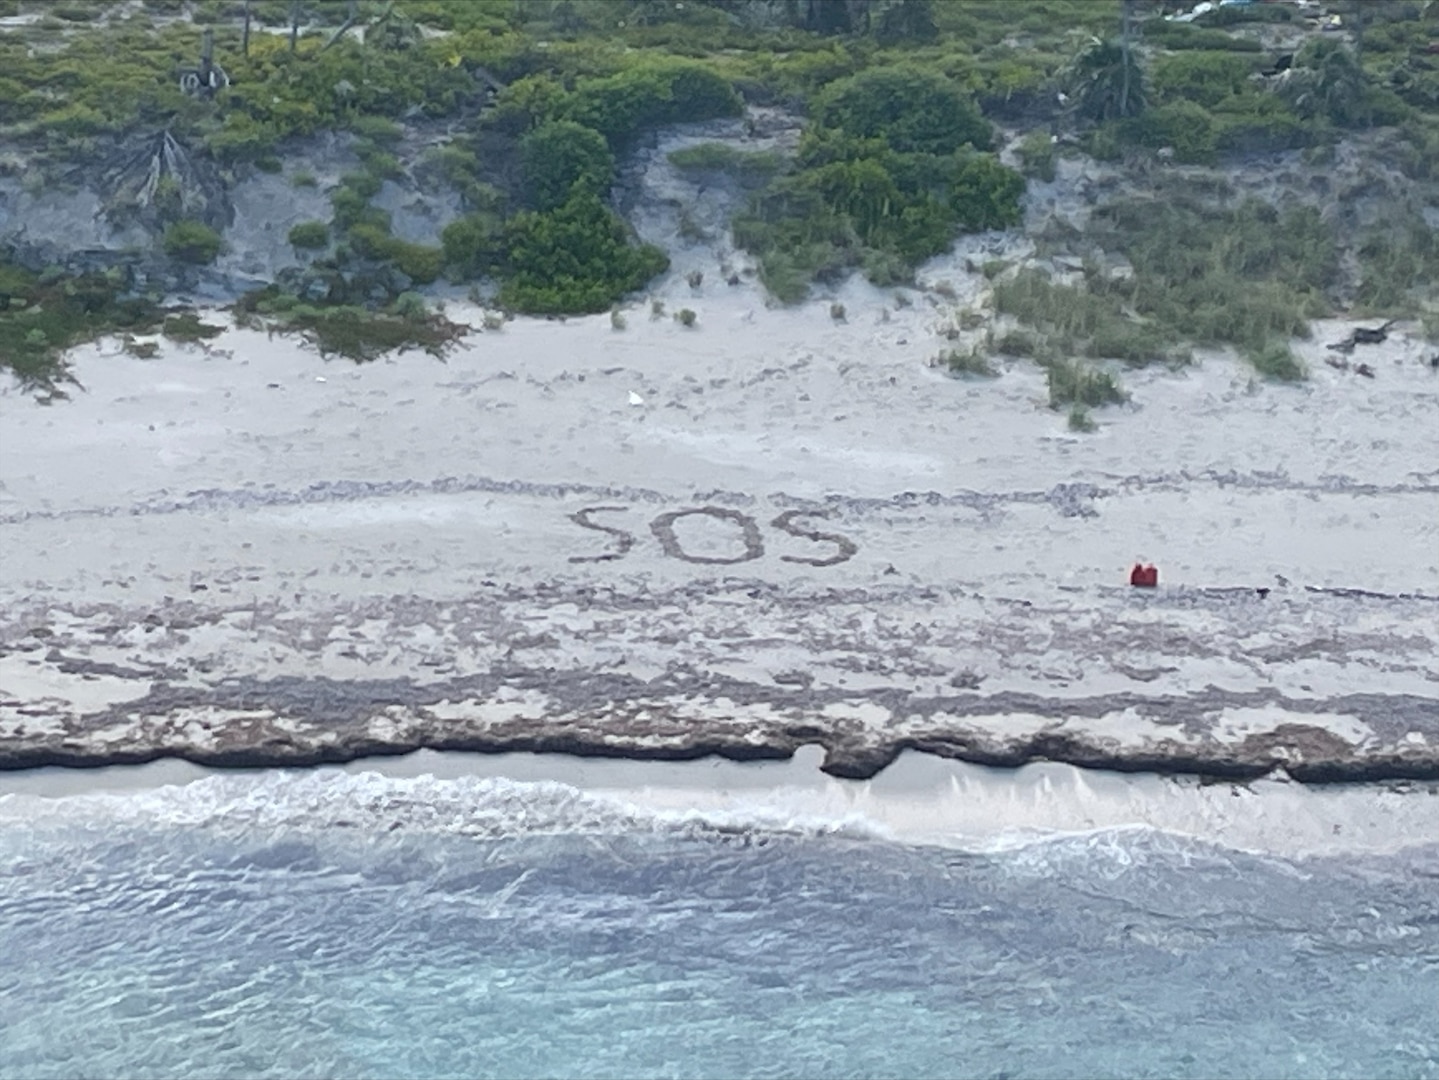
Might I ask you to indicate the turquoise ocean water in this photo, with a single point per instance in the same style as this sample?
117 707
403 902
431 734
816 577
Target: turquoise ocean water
363 927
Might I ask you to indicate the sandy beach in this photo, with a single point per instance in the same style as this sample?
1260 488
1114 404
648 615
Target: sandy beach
780 527
771 530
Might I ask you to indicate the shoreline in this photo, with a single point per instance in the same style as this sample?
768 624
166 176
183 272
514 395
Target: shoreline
919 800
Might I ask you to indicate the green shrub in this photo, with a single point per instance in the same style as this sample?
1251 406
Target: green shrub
1259 123
191 242
1068 313
1200 78
1396 256
576 258
353 332
473 246
379 129
40 319
1022 343
786 277
1080 420
561 158
886 269
1016 82
857 200
645 95
1073 384
188 327
985 194
1385 108
1276 362
1237 275
1182 126
380 165
1134 343
910 111
351 208
419 262
410 306
969 363
460 167
1036 155
366 185
370 241
310 235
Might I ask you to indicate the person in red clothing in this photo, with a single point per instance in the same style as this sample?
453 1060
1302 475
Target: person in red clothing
1142 576
1136 576
1151 576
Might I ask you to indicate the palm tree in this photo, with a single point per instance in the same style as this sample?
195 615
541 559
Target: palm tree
1107 82
1327 81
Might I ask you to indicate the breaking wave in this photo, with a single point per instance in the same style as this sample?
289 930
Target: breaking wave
479 807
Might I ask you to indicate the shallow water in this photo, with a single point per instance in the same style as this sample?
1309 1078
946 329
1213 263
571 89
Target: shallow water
361 926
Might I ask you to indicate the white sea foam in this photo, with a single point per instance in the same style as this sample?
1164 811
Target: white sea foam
919 799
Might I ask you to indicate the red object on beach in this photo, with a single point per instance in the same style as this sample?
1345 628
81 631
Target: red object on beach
1144 577
1136 576
1151 577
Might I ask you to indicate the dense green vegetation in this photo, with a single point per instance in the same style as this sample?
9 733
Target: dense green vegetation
890 169
191 242
576 257
357 333
1203 271
542 99
41 315
310 236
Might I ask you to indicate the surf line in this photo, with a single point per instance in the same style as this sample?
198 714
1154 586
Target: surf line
750 536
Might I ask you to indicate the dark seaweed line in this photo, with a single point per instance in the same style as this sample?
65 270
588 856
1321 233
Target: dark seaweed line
1069 499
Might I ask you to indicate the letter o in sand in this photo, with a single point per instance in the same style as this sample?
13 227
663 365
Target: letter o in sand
664 529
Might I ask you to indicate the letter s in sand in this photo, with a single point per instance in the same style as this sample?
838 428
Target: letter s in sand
623 540
786 523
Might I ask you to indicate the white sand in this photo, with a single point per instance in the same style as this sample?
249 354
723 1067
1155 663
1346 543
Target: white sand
249 511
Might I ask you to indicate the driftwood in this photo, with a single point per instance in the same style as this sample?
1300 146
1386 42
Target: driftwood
1363 335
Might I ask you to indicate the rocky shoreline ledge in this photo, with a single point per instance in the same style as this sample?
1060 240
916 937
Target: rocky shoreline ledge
864 698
